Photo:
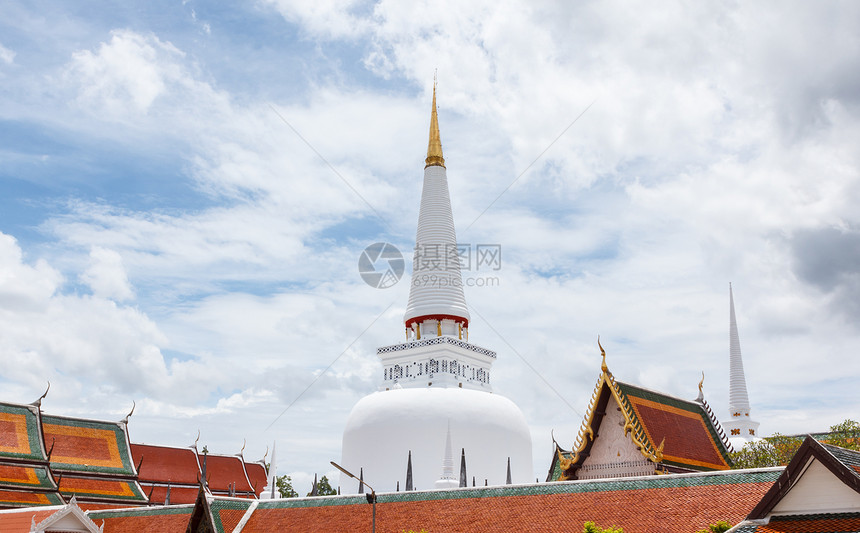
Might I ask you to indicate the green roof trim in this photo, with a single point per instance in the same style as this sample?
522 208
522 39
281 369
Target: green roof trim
216 506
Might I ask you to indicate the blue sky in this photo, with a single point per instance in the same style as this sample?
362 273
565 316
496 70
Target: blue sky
185 189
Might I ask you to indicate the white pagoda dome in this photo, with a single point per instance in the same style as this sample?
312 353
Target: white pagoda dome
435 401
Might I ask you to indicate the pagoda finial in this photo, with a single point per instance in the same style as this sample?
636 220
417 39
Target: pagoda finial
434 147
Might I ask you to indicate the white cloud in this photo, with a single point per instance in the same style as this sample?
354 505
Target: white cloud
106 275
719 144
7 56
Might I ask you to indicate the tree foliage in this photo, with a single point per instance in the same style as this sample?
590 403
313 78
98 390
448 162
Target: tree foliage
285 487
779 449
591 527
720 527
324 488
772 451
846 434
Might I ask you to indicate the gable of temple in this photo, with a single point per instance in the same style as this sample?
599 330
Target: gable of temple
632 431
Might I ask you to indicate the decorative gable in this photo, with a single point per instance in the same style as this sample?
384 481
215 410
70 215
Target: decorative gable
632 431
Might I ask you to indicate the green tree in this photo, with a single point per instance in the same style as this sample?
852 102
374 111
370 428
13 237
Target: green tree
846 434
720 527
590 527
772 451
285 487
324 488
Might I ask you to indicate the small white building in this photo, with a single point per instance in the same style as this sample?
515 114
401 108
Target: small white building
436 386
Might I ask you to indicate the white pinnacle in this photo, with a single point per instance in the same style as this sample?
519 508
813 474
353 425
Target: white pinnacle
437 284
739 401
741 428
447 481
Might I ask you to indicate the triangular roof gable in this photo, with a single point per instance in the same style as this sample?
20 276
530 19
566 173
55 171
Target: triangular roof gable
201 520
843 464
653 421
67 517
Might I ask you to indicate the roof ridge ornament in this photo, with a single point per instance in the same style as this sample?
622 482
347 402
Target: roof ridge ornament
701 397
125 420
38 403
603 366
434 146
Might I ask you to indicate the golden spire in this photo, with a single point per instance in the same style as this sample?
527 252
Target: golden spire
434 147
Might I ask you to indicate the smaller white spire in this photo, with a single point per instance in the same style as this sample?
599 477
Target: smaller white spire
271 490
447 480
740 427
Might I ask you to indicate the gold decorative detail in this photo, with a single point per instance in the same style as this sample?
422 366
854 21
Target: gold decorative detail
460 330
702 382
752 432
603 366
419 331
736 432
434 147
632 425
438 328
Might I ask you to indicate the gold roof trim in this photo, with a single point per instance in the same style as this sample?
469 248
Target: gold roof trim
434 147
631 423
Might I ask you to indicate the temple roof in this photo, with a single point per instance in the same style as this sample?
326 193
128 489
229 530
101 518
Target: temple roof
20 434
544 507
224 471
257 476
81 445
166 464
28 498
150 519
667 430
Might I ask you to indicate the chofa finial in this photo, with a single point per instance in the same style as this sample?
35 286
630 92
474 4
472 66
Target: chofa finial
38 403
603 366
133 405
701 394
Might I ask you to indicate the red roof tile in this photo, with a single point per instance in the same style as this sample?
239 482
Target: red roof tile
87 445
672 504
150 520
224 470
27 498
19 520
165 464
100 488
178 495
688 440
257 477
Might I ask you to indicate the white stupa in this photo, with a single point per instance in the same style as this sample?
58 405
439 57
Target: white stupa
435 400
740 427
